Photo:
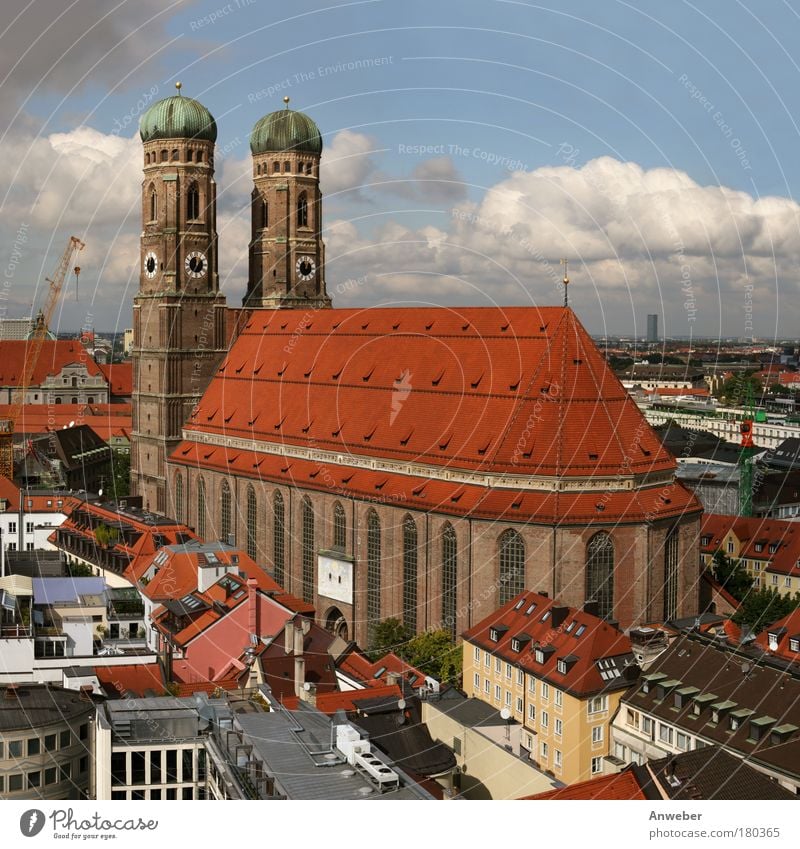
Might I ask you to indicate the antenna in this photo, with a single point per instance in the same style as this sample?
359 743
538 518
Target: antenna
565 263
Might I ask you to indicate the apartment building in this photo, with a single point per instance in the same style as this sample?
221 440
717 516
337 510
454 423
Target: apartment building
559 672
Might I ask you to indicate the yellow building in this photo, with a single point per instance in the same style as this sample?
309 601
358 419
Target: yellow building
559 671
768 548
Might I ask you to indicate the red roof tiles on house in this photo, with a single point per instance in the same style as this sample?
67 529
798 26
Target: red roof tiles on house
623 785
54 356
135 681
119 377
772 541
584 642
782 638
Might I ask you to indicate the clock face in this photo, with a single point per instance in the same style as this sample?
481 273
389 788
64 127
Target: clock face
306 267
150 265
195 264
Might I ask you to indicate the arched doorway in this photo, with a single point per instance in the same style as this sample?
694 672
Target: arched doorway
336 623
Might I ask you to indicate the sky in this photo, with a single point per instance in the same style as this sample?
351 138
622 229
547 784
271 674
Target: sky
468 148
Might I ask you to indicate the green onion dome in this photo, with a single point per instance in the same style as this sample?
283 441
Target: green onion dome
286 130
178 117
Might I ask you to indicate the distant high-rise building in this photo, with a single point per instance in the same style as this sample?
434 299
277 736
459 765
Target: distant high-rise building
652 328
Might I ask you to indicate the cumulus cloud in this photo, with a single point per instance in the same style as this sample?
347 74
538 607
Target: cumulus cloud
347 163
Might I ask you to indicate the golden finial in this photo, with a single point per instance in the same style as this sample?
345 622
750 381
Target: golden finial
565 263
286 101
179 86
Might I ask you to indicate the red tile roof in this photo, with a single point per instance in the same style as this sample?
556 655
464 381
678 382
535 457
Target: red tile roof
106 420
522 390
356 666
584 641
119 377
347 700
55 354
623 785
135 681
787 633
778 540
47 503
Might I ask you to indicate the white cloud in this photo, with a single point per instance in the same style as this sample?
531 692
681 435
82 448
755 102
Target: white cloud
347 163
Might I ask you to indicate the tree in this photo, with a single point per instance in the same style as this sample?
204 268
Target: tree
435 654
731 575
121 470
734 390
761 607
389 635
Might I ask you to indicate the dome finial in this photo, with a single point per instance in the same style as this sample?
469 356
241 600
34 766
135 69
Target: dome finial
179 86
286 101
565 263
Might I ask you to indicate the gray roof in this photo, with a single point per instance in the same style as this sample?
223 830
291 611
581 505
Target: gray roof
36 706
468 712
65 590
293 749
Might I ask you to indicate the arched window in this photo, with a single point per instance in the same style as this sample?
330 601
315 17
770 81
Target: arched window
410 574
225 512
258 170
373 571
252 519
179 497
193 202
278 537
600 573
286 167
308 550
188 156
449 579
671 574
153 204
339 527
58 401
264 215
512 565
276 167
174 155
199 157
164 155
201 508
147 159
302 210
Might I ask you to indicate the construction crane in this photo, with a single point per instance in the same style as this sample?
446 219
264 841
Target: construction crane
34 349
747 450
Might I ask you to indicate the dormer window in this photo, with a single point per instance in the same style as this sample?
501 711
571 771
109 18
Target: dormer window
794 644
705 540
645 686
714 716
773 547
539 655
734 723
696 709
561 666
515 645
493 635
759 546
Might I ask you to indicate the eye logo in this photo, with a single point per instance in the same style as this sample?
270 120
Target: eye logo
31 822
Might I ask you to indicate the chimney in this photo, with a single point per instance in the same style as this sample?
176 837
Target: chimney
252 601
544 593
591 607
308 693
558 615
86 692
305 624
394 678
288 636
299 675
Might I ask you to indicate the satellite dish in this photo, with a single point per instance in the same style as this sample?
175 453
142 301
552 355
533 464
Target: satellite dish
99 491
307 687
401 705
505 713
745 668
71 424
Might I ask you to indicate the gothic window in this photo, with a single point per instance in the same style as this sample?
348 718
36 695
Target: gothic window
193 202
339 527
264 214
302 210
147 159
258 170
308 550
252 518
449 579
225 512
308 168
278 537
153 203
512 565
201 508
671 574
600 573
373 571
179 497
410 574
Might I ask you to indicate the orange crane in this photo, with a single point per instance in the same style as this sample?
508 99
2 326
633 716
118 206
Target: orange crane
34 349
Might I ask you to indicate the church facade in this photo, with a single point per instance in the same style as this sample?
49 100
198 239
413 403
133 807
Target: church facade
421 463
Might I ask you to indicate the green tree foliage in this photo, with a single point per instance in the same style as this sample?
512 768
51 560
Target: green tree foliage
79 570
731 575
435 654
761 607
734 390
389 635
121 469
106 536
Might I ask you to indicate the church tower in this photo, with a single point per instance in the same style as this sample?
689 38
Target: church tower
178 313
287 256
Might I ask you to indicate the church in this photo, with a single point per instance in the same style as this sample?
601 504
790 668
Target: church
426 463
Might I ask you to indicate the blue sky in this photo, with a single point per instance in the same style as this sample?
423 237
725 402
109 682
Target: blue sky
503 111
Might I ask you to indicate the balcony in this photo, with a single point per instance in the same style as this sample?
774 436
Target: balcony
16 632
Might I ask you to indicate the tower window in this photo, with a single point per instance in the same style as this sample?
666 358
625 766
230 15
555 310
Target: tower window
199 156
163 155
264 214
287 167
188 156
302 211
258 170
193 202
276 167
309 169
147 159
153 205
175 155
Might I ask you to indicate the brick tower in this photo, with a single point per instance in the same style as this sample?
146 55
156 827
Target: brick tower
287 256
178 313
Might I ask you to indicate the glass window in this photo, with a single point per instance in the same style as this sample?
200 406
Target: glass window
449 579
155 766
118 768
545 691
84 731
545 749
477 654
50 775
531 713
14 783
477 681
34 779
410 544
558 697
15 749
278 537
532 685
600 573
508 671
64 739
557 757
597 765
497 692
512 565
373 569
34 746
597 734
188 765
137 767
172 766
558 728
307 517
544 719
